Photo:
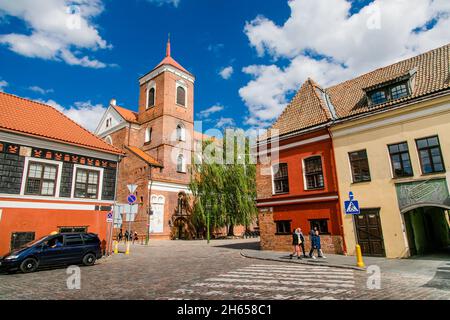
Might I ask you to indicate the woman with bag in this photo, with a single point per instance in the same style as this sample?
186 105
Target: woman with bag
296 241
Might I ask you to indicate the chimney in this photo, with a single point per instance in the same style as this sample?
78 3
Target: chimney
113 102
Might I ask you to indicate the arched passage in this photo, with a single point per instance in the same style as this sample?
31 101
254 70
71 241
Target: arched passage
427 229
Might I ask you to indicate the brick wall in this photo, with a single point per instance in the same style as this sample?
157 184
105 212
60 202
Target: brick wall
271 241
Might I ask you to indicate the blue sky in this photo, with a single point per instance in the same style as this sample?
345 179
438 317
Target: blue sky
267 48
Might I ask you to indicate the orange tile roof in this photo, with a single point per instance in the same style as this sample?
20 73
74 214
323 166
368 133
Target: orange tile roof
144 156
307 109
171 61
127 114
32 118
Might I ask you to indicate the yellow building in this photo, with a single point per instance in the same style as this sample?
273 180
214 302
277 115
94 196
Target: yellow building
391 140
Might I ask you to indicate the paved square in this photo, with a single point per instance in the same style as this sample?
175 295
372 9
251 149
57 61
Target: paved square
193 270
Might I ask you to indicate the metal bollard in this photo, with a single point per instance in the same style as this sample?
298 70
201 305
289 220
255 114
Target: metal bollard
127 252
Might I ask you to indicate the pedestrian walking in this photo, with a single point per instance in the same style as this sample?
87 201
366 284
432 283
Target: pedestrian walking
302 242
315 244
127 236
120 235
135 237
296 243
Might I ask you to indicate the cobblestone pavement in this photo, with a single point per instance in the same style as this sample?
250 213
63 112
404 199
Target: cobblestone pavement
194 270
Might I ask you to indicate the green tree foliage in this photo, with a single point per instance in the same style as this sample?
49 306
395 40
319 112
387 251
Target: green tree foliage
227 190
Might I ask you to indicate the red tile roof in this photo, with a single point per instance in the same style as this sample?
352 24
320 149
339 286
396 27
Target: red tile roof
28 117
127 114
430 74
144 156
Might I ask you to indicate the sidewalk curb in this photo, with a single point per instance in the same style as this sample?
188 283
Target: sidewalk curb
321 264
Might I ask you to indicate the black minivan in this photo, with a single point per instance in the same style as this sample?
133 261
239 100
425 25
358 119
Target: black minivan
54 250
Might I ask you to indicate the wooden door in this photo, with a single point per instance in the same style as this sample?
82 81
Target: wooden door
369 233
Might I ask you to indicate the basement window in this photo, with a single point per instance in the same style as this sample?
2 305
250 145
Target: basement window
283 227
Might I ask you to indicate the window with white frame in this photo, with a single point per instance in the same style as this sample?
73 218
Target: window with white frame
148 135
87 183
181 94
313 173
181 166
181 133
41 179
280 178
151 96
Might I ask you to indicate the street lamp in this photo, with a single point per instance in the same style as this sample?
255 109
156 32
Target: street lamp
208 212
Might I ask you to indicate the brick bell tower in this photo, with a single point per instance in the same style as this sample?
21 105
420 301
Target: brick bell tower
166 114
166 121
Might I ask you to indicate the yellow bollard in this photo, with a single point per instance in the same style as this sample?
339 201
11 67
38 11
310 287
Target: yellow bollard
128 248
359 258
116 247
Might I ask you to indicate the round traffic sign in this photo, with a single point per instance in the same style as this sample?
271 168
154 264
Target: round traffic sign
131 199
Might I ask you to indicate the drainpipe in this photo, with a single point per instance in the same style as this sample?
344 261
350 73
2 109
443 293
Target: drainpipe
340 220
149 208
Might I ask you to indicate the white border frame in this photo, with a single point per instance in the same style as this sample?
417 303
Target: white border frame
100 184
25 176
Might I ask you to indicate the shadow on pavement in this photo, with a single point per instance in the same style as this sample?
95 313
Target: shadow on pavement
241 246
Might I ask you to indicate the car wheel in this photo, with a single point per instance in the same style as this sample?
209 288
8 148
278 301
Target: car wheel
89 259
29 265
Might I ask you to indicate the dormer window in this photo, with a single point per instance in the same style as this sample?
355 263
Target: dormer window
389 92
399 91
378 97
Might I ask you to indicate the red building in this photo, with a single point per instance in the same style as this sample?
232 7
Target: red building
55 176
296 175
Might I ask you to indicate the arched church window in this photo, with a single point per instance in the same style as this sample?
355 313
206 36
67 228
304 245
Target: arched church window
181 164
181 96
181 133
151 97
148 135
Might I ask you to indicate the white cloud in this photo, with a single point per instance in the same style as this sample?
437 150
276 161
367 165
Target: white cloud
84 113
3 85
59 30
321 40
225 123
40 90
226 72
175 3
214 109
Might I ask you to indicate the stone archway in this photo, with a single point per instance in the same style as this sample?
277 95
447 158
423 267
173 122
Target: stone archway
427 229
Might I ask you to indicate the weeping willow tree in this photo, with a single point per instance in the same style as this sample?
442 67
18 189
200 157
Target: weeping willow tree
224 188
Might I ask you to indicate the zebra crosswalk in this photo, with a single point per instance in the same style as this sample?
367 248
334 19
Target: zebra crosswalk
273 282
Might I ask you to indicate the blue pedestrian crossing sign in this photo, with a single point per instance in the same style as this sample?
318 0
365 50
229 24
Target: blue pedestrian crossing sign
352 206
110 217
132 199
